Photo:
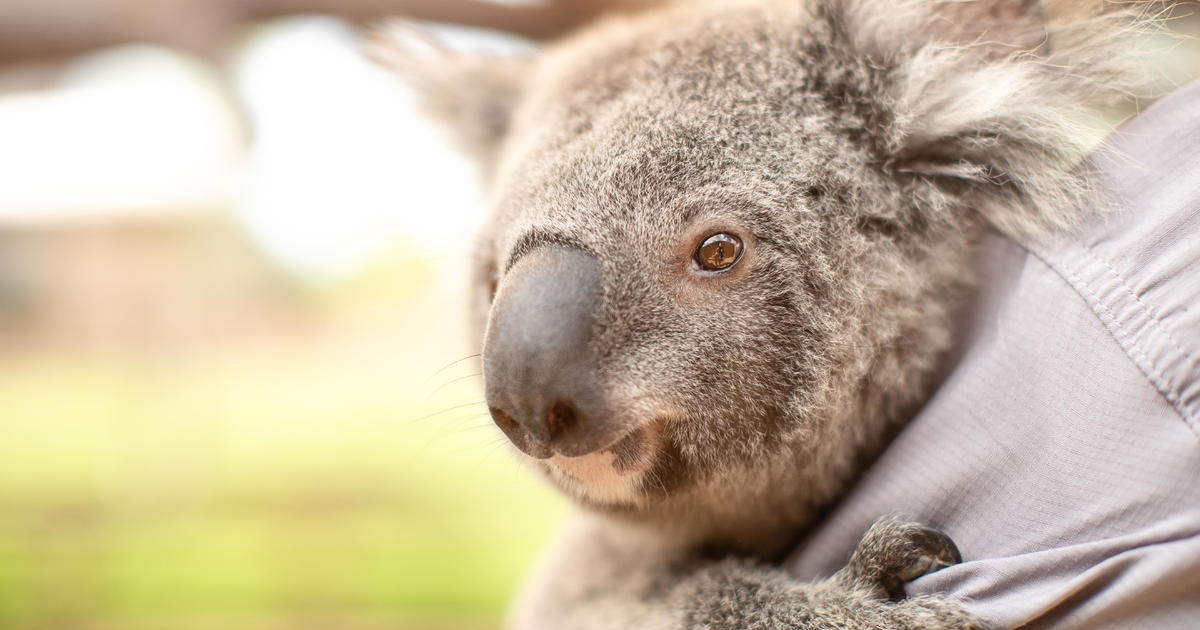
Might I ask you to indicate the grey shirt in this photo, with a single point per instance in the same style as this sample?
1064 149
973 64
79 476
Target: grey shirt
1062 451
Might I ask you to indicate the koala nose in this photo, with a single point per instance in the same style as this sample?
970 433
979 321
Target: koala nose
540 376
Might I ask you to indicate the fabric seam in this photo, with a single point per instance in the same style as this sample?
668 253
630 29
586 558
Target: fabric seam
1149 368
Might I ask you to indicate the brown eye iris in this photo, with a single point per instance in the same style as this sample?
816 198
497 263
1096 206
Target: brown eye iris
718 252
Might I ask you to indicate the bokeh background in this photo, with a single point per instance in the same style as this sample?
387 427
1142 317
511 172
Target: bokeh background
237 389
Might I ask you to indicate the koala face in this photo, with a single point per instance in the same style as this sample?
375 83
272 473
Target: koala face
725 242
620 179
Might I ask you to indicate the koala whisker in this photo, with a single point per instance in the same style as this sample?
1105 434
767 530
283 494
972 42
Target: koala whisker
471 421
448 366
442 435
447 409
450 382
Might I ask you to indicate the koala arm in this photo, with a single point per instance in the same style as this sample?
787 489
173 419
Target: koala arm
595 582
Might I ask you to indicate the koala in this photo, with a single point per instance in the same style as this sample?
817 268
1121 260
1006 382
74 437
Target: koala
726 242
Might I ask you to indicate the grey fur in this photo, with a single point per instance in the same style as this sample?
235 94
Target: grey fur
860 148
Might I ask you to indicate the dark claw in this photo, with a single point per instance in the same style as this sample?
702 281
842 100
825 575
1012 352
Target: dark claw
932 551
894 552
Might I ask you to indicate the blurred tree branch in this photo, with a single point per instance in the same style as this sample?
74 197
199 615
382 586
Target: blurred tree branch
47 28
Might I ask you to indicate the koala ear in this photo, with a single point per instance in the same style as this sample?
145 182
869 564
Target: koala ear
993 27
989 108
473 95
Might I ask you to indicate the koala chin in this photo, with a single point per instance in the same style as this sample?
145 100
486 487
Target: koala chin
725 245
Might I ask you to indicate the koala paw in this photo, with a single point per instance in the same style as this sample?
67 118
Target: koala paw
894 552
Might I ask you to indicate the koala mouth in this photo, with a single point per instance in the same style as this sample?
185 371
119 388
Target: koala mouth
629 451
609 475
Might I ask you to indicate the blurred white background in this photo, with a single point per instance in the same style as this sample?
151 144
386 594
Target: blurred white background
236 382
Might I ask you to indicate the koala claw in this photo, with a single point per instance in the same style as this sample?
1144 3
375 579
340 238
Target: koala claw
933 551
894 552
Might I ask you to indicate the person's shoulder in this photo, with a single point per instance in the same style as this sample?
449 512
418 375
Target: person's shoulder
1060 451
1138 266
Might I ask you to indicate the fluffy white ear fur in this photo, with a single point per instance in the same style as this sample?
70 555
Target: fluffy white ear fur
471 94
1001 125
990 99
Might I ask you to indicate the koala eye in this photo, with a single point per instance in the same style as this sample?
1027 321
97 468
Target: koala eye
718 252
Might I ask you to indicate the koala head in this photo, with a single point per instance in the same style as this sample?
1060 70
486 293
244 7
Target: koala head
725 240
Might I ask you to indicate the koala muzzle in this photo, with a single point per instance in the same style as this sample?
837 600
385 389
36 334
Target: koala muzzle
543 387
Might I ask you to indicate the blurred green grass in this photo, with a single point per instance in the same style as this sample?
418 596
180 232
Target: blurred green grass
324 478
